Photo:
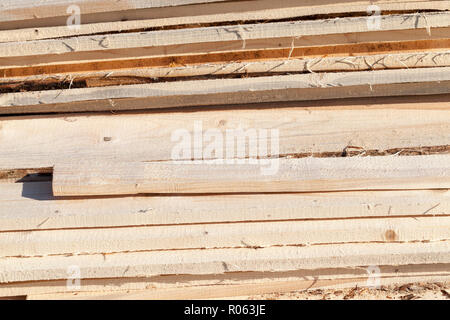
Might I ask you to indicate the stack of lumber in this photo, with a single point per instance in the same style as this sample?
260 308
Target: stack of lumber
90 190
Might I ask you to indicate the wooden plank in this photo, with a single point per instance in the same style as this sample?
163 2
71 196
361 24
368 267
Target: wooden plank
63 14
200 14
31 9
216 261
264 175
119 73
229 235
325 44
31 206
161 286
303 128
224 33
202 292
228 38
301 87
94 5
240 291
14 11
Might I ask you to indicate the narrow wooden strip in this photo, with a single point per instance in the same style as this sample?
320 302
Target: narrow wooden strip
230 91
265 175
203 14
216 261
304 128
311 43
236 33
230 235
93 5
31 206
243 291
213 65
159 286
209 101
30 9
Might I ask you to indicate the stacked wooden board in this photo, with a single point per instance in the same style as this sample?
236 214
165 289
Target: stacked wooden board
351 97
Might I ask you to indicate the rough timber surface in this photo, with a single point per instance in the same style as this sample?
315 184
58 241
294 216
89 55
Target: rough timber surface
148 15
304 128
272 175
301 87
204 40
231 286
217 261
126 71
32 206
225 235
99 124
224 285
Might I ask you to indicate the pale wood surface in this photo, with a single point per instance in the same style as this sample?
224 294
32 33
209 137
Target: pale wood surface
163 286
31 206
226 38
412 59
326 42
294 231
227 235
11 10
281 175
214 261
242 291
301 87
213 12
223 33
381 124
210 13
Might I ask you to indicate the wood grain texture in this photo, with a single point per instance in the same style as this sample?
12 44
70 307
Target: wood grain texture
120 72
301 87
161 287
377 124
357 120
222 34
31 206
213 12
226 38
32 9
325 44
228 235
273 175
241 291
216 261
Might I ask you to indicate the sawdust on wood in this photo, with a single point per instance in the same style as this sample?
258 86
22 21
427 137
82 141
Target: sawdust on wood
410 291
